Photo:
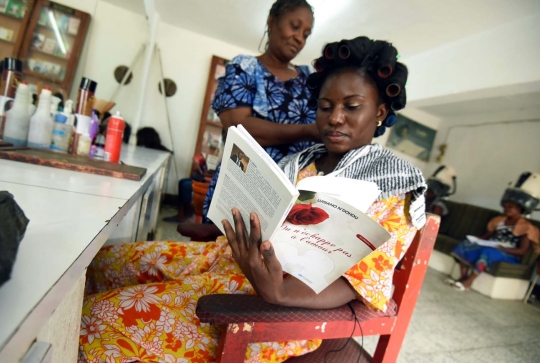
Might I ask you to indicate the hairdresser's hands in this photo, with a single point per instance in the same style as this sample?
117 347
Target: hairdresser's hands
256 258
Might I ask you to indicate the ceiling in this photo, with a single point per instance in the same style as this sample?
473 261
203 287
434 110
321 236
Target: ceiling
485 105
413 26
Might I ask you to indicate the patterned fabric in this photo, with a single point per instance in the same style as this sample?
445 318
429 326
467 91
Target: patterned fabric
373 163
310 170
247 83
150 314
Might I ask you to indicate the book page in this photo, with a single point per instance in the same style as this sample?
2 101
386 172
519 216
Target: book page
488 243
250 182
323 237
358 193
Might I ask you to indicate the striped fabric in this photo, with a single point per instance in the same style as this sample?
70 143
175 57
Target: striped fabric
374 163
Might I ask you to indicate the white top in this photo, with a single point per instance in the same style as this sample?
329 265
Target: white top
69 213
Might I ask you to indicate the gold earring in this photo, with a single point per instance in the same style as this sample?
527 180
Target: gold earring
379 123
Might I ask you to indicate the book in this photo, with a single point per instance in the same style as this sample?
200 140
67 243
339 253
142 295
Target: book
49 45
318 227
6 34
3 5
488 243
73 25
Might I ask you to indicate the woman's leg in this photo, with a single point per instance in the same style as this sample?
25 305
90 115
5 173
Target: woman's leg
144 262
464 270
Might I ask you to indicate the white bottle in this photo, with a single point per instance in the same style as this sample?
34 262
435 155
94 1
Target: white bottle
68 111
55 101
18 118
41 124
61 134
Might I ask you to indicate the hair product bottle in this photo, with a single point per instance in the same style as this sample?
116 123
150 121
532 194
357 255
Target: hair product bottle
18 118
41 124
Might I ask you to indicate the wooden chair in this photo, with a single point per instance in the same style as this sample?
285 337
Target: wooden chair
248 318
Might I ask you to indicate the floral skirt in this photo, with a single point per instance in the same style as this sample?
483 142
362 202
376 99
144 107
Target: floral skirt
481 257
144 296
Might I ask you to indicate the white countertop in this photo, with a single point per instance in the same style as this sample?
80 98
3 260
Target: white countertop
68 211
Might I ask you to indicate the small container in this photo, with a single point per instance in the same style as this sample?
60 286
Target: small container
99 147
113 140
83 147
61 135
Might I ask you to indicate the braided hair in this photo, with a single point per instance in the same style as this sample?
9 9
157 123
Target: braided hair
377 58
281 7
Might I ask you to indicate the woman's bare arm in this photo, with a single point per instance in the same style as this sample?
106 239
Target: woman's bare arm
521 250
268 133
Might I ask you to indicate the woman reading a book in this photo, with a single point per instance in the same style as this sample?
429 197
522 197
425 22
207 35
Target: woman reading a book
145 294
512 229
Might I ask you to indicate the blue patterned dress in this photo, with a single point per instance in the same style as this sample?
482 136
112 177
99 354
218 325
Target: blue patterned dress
247 83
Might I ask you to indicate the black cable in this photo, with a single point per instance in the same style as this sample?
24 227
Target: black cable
350 337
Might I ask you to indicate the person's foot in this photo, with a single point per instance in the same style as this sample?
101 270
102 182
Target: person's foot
460 287
449 281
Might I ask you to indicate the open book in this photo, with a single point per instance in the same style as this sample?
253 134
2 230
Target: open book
318 228
488 243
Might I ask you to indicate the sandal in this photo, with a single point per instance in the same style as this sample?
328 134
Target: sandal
449 281
459 287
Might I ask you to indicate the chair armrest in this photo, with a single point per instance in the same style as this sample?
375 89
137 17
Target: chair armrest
226 309
199 232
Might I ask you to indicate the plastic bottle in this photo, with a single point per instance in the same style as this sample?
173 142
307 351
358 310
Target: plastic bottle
99 147
113 140
41 124
68 112
11 77
55 102
61 134
18 118
83 110
84 144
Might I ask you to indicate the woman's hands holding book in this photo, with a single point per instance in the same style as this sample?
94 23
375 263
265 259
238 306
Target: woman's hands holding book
259 263
256 258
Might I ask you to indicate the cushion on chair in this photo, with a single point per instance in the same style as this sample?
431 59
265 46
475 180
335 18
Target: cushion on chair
348 354
225 309
511 270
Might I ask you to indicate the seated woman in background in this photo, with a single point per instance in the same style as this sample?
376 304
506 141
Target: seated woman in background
510 228
155 320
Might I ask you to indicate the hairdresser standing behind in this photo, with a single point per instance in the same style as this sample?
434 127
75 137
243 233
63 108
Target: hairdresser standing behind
267 94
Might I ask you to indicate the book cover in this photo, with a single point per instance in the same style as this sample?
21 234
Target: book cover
49 45
3 5
6 34
318 227
73 26
37 41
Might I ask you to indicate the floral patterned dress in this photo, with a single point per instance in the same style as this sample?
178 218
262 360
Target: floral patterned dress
145 295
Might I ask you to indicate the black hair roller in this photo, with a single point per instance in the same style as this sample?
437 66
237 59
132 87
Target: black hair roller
330 51
318 65
313 81
400 102
312 102
393 90
399 75
386 61
344 51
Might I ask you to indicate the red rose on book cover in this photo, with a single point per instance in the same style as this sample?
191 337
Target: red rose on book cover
305 214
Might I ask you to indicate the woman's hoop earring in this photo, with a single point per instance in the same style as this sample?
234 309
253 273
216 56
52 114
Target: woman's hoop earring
379 123
264 34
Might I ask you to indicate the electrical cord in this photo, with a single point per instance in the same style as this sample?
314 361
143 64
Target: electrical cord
350 337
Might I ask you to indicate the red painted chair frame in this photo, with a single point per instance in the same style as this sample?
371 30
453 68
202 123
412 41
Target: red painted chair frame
243 329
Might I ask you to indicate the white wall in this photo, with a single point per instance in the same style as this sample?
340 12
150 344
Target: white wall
489 150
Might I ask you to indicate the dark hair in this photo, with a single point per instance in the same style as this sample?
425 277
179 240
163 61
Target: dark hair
377 59
281 7
148 137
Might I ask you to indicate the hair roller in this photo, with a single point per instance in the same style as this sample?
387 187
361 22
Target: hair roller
313 103
344 51
379 131
313 81
318 65
329 51
399 75
390 119
400 102
386 60
393 89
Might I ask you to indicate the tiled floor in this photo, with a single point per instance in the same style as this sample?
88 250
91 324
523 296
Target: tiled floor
450 326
